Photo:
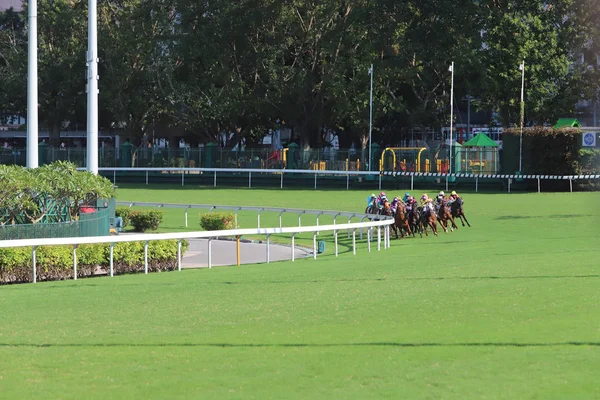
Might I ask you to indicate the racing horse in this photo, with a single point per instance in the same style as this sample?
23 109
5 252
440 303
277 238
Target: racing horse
445 215
456 208
428 218
401 222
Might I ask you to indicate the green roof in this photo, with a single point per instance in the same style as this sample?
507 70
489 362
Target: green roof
567 123
481 140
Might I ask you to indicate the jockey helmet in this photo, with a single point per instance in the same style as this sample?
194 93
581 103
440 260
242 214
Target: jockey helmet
453 193
442 193
373 195
407 194
382 194
424 197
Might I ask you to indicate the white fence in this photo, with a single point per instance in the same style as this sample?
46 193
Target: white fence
347 174
375 221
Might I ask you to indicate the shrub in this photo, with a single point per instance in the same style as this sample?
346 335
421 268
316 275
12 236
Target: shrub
217 221
56 262
125 213
143 221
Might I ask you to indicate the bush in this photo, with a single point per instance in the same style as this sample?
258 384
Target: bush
590 160
56 262
217 221
125 213
143 221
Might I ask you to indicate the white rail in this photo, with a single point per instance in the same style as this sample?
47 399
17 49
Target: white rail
379 223
309 172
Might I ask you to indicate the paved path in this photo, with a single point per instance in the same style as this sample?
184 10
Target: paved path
224 253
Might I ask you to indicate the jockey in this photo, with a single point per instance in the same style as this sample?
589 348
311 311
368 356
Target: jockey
410 203
439 199
426 203
394 204
381 199
371 200
453 197
406 197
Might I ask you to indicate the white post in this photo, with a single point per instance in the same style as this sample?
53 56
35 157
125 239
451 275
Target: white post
258 222
451 121
182 177
335 236
92 89
281 181
249 179
371 118
293 246
268 249
354 241
476 184
179 255
369 232
186 218
209 253
32 87
146 257
538 185
315 245
112 246
75 262
215 179
146 177
570 185
33 264
315 181
522 68
412 177
378 239
509 184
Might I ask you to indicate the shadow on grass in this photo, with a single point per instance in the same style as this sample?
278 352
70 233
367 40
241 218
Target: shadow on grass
308 345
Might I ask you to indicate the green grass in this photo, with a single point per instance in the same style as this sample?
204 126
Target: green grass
505 309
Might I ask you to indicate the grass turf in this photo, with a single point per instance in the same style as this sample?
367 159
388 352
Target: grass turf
505 309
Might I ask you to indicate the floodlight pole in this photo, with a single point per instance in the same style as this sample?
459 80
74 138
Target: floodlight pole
92 89
370 117
451 114
32 86
522 68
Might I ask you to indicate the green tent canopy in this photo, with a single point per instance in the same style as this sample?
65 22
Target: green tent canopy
480 140
567 123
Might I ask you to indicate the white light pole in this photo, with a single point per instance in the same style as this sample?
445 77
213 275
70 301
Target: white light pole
522 69
32 86
370 117
451 69
92 89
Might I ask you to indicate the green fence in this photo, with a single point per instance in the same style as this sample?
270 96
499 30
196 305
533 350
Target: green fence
92 224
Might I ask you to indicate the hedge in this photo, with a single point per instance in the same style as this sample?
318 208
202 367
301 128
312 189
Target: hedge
56 262
217 221
143 221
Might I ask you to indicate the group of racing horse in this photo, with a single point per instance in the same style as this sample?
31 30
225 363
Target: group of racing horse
411 218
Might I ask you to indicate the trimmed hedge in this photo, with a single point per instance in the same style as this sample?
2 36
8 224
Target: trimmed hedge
125 214
217 221
56 262
143 221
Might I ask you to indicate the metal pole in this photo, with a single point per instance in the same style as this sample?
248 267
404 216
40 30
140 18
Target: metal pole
370 117
33 264
315 245
75 262
112 247
522 68
215 180
249 179
293 246
538 185
378 238
476 184
32 87
209 253
451 120
354 241
92 89
179 255
570 185
335 236
146 257
281 183
268 249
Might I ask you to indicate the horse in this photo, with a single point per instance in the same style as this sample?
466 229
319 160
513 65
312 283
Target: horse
428 218
401 222
456 208
413 218
445 215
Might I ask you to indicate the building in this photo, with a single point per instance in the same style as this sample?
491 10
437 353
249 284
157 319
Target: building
17 5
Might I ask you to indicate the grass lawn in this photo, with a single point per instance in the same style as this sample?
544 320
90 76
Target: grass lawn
505 309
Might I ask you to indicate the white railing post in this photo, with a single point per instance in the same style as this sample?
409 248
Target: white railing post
300 218
33 253
476 184
361 229
378 238
146 177
538 179
215 179
571 185
369 239
315 245
315 181
379 182
335 235
182 177
249 179
268 249
259 211
111 256
209 253
146 257
318 221
281 184
186 216
509 184
293 247
280 218
179 255
347 181
75 262
412 187
354 241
